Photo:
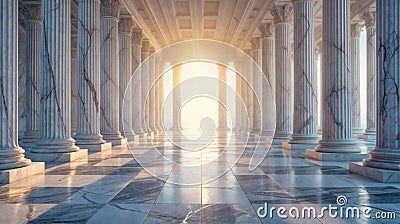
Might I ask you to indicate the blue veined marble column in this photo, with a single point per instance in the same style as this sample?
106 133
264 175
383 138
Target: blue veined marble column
55 142
305 98
268 67
370 131
137 103
33 22
88 78
109 72
355 77
337 142
284 86
125 73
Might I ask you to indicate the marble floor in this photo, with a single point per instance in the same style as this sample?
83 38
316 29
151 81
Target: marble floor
187 182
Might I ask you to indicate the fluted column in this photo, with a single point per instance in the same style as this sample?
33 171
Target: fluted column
176 81
318 51
145 79
248 93
55 142
74 82
355 77
336 88
11 155
305 97
222 106
88 102
238 86
33 21
160 94
386 154
125 73
370 131
284 86
152 93
256 82
268 68
137 103
109 67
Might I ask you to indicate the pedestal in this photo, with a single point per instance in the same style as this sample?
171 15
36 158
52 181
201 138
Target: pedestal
57 157
336 157
381 175
12 175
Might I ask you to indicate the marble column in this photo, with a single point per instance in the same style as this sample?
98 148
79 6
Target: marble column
238 86
74 82
284 87
152 93
13 164
337 143
256 82
125 73
370 131
246 113
222 106
109 72
318 51
137 103
305 97
176 81
88 103
355 77
145 80
384 161
160 95
268 68
248 94
33 21
55 142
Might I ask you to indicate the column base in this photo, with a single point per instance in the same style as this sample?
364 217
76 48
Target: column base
336 157
368 137
381 175
29 139
338 146
357 132
57 156
96 147
12 175
117 142
298 146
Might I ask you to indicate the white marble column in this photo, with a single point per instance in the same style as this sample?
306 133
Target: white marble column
137 103
109 71
238 84
145 80
284 87
386 154
160 94
256 82
268 68
74 82
355 31
370 131
88 82
11 155
152 93
55 142
305 97
248 94
125 72
318 51
33 21
222 106
384 162
337 143
176 81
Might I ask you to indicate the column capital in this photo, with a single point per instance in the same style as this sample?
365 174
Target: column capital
356 30
266 29
282 13
32 12
111 8
126 25
369 18
137 36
